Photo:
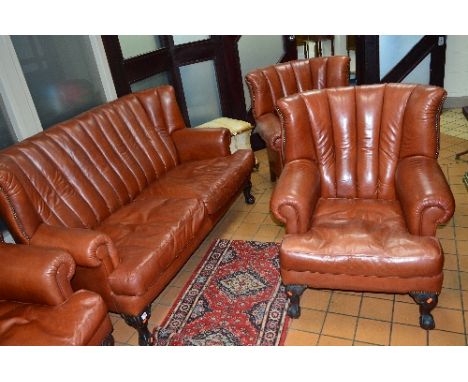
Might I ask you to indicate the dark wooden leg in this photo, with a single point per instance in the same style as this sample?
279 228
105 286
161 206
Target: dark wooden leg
426 302
140 323
272 173
108 340
294 293
249 198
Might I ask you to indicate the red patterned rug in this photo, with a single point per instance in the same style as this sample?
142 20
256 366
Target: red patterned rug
235 297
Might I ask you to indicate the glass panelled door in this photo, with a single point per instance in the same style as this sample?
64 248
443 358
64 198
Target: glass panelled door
207 72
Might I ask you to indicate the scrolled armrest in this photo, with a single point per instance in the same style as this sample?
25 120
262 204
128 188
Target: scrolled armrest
201 143
89 248
269 128
35 275
296 194
424 194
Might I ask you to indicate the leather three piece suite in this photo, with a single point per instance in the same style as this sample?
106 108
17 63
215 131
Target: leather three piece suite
361 192
127 190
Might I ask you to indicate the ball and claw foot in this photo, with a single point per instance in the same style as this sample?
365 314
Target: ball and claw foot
294 293
426 302
140 323
249 198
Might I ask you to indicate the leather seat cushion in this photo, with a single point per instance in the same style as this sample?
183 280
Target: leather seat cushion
73 322
214 181
361 238
149 234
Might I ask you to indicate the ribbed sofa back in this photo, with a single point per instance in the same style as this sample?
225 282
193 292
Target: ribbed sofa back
78 172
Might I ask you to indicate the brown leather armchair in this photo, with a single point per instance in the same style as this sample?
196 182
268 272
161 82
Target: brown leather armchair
361 192
38 306
268 85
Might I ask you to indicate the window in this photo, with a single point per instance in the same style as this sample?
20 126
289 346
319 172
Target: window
61 74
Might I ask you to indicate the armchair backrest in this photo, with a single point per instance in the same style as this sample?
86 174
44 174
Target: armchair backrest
357 135
268 85
78 172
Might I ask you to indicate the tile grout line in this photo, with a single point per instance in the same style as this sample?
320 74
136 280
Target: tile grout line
358 317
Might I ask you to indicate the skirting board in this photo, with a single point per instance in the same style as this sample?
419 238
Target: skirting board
455 102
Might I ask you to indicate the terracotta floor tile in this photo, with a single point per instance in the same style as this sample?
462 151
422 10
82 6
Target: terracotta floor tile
461 221
450 298
345 304
158 313
404 298
338 325
298 338
375 332
181 279
254 217
405 335
359 343
448 246
122 332
451 280
261 207
465 300
462 246
376 308
169 295
463 262
440 338
450 320
461 233
385 296
406 313
309 321
315 299
445 232
451 262
333 341
464 280
247 229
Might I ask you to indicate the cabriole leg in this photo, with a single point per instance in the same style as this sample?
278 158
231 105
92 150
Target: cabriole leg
249 198
294 293
140 323
426 301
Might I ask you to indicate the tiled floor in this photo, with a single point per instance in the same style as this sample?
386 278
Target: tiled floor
344 318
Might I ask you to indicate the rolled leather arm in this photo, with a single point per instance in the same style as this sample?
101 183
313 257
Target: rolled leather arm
296 194
201 143
269 128
35 275
88 248
424 194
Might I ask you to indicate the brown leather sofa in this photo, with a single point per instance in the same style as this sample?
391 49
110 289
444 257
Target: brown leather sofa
128 190
38 306
268 85
361 192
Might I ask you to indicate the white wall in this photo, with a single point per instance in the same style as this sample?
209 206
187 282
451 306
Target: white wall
456 66
393 49
258 52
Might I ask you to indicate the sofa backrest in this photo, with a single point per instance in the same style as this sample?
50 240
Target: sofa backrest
75 174
357 135
268 85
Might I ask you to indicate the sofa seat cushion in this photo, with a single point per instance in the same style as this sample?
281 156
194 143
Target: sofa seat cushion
359 237
74 322
214 181
149 234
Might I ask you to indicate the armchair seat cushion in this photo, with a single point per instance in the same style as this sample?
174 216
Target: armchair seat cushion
149 234
214 181
365 238
81 320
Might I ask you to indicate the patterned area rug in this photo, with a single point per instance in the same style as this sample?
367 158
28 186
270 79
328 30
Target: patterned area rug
235 297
